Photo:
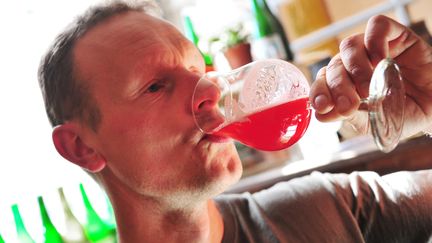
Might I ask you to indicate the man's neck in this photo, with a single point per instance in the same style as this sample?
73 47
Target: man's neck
146 221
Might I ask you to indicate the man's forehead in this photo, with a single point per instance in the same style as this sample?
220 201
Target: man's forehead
126 35
130 27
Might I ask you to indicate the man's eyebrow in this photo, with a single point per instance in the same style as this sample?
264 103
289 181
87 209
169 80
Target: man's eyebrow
140 71
140 76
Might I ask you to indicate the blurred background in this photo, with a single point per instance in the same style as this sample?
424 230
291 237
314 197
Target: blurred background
306 32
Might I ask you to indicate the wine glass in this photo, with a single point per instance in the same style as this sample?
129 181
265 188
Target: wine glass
264 104
386 104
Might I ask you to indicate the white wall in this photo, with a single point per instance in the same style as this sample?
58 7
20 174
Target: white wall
29 164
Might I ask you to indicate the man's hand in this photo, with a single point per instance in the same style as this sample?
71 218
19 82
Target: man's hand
337 91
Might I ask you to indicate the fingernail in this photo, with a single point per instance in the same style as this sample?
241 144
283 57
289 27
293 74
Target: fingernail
320 102
343 104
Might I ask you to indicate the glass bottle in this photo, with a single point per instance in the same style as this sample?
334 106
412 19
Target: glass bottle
269 39
111 221
50 232
279 29
192 36
74 230
190 31
22 234
95 228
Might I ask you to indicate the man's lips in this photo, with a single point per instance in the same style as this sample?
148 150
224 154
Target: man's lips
216 138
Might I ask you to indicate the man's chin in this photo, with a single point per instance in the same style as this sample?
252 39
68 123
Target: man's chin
221 164
228 173
218 187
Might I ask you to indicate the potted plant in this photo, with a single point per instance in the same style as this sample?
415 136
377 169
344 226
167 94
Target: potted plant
236 46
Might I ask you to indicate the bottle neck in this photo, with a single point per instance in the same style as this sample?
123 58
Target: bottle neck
22 233
75 231
263 26
95 227
192 36
92 216
190 31
66 208
45 217
19 224
86 200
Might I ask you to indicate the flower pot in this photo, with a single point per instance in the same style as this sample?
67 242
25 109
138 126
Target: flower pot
238 55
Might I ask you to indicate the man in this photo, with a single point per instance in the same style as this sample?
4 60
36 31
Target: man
117 86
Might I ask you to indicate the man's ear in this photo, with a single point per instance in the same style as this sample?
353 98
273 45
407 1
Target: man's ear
70 145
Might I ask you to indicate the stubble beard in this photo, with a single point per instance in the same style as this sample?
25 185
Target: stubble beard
217 178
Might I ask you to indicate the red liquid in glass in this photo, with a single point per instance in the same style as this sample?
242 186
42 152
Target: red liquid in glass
271 129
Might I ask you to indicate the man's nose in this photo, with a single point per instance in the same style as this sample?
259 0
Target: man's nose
206 96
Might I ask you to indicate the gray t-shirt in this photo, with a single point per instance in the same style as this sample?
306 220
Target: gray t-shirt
359 207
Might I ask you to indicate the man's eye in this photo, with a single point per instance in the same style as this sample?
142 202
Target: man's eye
155 87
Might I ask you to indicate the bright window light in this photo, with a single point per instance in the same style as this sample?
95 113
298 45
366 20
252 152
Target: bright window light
29 163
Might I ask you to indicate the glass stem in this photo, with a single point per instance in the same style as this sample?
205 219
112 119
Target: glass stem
364 104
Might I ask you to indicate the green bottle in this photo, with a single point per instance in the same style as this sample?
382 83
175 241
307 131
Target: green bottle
95 228
193 37
74 230
1 239
50 232
22 234
111 217
190 31
269 39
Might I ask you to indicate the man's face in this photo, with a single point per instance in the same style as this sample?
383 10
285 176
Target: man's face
141 72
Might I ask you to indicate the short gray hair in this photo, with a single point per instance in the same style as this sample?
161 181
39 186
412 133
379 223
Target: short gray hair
64 95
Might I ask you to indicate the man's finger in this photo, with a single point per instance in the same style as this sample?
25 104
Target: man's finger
320 96
380 31
356 62
342 89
